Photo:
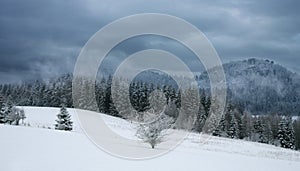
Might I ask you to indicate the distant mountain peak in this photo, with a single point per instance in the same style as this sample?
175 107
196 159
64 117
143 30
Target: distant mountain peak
261 86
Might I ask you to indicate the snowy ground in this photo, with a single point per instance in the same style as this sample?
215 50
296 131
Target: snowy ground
35 148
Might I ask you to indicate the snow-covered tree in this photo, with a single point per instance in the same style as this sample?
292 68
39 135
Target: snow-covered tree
189 108
297 133
122 101
220 130
247 125
204 108
171 109
259 131
154 132
267 132
15 115
290 134
232 130
282 132
286 134
64 120
10 118
12 114
2 111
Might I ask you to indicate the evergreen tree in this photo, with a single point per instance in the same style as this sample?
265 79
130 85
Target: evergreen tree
282 132
286 134
274 122
100 95
220 130
232 131
261 132
171 109
121 107
2 111
189 109
238 120
290 134
204 109
9 112
64 120
267 131
247 125
297 133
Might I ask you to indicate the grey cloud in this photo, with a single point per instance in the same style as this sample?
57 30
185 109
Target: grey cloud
43 38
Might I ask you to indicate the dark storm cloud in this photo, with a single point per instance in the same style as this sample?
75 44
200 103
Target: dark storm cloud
43 38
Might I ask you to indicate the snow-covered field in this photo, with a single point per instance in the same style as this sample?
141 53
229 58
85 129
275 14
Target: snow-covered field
38 148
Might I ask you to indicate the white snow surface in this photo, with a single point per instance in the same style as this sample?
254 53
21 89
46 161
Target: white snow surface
36 147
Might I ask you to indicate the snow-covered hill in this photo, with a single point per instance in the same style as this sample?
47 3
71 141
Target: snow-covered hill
37 148
261 86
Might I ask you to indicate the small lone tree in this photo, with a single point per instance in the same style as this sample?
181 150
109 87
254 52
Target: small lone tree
154 132
64 120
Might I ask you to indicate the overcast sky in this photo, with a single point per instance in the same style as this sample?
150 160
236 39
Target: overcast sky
42 38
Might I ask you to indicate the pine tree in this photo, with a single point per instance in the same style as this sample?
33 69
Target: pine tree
9 113
268 134
281 133
232 131
157 101
246 128
230 122
286 134
260 131
2 111
238 119
189 109
297 133
171 109
220 130
204 109
64 120
290 134
101 96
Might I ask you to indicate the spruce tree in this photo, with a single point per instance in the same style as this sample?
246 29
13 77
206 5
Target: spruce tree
297 133
232 131
281 133
247 125
220 130
189 108
64 120
2 111
290 134
260 131
286 134
9 113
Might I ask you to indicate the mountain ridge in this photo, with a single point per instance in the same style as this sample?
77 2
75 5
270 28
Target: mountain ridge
260 86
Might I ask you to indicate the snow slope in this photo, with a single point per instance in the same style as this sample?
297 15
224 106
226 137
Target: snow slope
33 149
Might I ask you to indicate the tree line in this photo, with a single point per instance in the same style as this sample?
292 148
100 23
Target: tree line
235 122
